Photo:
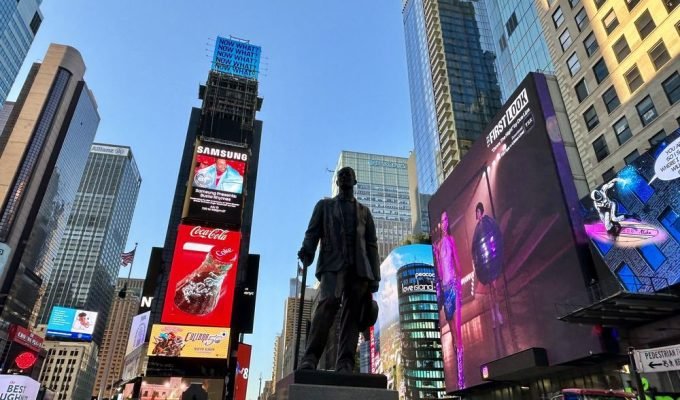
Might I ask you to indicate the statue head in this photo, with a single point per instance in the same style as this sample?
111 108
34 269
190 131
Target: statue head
346 178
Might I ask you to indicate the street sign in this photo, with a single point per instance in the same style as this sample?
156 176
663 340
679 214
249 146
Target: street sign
4 255
659 359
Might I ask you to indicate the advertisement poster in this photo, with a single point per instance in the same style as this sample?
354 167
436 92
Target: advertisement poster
131 364
140 324
503 237
406 270
242 371
217 182
202 277
69 323
236 57
18 387
633 220
188 341
177 389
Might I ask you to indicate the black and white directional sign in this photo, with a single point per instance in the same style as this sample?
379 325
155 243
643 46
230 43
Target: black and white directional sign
659 359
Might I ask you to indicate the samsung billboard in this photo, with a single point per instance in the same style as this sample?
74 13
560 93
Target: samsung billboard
509 244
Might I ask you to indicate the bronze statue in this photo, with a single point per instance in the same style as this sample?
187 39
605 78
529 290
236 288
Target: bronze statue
348 269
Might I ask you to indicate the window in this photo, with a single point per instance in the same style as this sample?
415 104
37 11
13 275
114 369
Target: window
645 24
628 278
502 42
657 138
573 64
646 110
565 39
671 221
601 149
598 3
581 19
610 22
633 78
622 130
511 25
590 43
581 90
652 255
35 23
558 17
631 157
574 3
631 4
590 116
659 55
672 87
670 4
600 70
621 49
611 99
608 174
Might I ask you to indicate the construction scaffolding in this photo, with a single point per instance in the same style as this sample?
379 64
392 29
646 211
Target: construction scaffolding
230 97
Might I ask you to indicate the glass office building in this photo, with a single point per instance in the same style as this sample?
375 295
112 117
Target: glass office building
19 23
451 65
519 42
382 186
86 268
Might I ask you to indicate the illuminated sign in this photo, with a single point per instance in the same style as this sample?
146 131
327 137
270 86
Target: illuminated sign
189 341
202 277
242 371
236 58
178 388
23 336
69 323
216 189
18 387
140 324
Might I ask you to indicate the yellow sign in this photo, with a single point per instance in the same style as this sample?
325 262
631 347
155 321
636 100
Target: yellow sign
188 341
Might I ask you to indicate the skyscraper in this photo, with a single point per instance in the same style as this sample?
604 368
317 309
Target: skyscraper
112 352
290 328
43 152
452 80
382 186
88 259
19 23
617 63
5 111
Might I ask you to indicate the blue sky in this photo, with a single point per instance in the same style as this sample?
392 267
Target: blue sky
334 78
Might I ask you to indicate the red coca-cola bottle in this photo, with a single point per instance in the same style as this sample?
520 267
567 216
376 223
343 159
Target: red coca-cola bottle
199 292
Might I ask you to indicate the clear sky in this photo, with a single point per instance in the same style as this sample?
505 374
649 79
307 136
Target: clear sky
334 78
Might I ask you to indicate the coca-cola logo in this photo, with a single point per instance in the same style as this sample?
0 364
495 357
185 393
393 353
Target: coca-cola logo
207 233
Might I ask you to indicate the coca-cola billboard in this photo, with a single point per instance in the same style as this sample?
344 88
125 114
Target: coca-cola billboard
202 277
215 190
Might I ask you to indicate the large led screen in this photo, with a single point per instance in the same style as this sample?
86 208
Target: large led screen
202 277
18 387
242 371
505 246
70 323
137 337
177 388
188 341
217 182
236 57
633 220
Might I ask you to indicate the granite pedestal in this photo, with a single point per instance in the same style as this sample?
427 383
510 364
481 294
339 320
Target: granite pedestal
326 385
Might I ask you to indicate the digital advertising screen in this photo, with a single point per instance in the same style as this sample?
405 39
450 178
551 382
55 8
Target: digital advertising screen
202 277
137 337
131 363
633 220
70 323
217 181
242 371
236 57
18 387
505 248
188 341
176 388
389 336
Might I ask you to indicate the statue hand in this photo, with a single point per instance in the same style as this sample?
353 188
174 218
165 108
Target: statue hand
373 286
304 257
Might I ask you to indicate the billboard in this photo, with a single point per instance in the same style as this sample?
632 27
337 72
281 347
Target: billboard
202 277
633 220
217 181
236 57
137 337
176 388
18 387
508 243
70 323
188 341
131 363
242 371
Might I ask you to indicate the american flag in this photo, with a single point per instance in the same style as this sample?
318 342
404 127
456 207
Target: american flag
127 258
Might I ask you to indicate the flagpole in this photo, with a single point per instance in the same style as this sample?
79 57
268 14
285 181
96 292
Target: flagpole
123 291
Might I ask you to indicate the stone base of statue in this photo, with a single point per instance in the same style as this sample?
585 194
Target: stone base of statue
327 385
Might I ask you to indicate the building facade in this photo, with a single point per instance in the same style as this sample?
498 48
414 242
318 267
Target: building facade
43 152
290 328
69 369
452 79
5 111
112 353
88 260
618 68
19 23
382 186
